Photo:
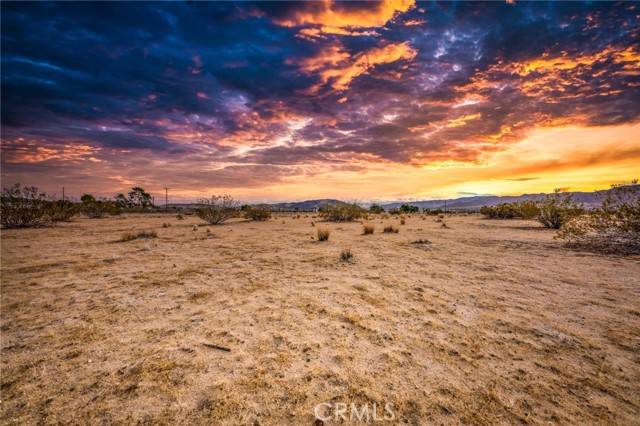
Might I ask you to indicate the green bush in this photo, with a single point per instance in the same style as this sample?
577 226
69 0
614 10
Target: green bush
516 210
407 208
613 228
557 208
61 210
257 213
342 212
376 209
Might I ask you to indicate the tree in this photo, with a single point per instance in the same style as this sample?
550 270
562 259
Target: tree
88 199
138 197
407 208
121 201
376 208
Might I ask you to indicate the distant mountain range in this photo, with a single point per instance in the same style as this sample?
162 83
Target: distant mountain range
589 199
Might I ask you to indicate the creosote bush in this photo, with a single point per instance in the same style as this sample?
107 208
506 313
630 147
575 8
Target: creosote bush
61 210
342 212
516 210
258 213
217 209
557 209
368 229
323 234
390 229
23 207
130 236
613 228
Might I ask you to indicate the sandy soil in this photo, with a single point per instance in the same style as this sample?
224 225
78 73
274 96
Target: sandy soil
494 322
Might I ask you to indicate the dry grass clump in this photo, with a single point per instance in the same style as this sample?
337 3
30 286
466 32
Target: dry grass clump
323 234
614 228
179 217
166 225
217 209
258 213
390 229
421 241
368 229
402 221
346 256
130 236
342 213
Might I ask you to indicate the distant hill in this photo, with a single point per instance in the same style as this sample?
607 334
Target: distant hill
589 199
305 205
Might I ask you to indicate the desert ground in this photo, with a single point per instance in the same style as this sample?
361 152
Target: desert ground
492 322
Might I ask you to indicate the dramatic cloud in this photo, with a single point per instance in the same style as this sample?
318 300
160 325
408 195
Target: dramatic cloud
300 99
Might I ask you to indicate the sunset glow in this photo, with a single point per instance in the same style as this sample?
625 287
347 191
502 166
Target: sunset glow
289 101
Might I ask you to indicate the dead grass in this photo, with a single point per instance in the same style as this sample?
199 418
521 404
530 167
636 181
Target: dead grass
490 323
130 236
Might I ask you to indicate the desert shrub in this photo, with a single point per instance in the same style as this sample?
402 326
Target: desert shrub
23 207
527 209
517 210
257 213
394 211
342 213
166 225
130 236
217 209
179 217
402 221
558 208
95 209
500 211
368 229
323 234
390 229
346 255
376 209
407 208
61 210
613 228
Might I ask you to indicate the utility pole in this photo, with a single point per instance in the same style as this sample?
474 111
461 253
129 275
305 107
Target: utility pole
166 198
63 193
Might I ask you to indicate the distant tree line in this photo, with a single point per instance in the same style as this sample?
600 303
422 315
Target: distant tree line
26 206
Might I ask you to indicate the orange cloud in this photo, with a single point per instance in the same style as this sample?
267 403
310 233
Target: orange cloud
333 19
23 151
334 67
462 121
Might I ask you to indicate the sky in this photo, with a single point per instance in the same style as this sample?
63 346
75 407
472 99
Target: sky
275 101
